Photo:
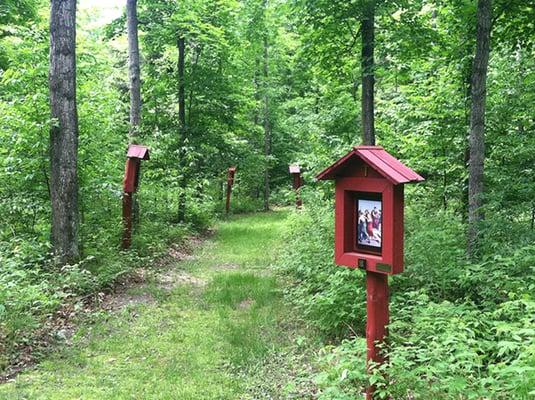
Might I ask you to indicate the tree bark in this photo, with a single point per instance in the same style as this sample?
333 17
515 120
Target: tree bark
197 56
267 125
133 68
63 131
477 124
257 92
181 83
368 72
182 130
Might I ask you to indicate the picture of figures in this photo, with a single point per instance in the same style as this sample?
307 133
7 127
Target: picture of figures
369 222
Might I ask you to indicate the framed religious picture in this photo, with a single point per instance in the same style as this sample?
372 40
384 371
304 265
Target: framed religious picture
369 224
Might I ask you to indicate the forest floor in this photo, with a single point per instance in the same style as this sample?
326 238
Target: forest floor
211 325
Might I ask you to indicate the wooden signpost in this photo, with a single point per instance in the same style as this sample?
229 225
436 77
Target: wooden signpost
135 154
230 182
295 171
369 229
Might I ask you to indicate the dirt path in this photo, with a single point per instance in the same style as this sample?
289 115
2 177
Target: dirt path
213 326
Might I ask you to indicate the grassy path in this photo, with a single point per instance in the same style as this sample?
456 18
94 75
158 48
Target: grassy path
214 333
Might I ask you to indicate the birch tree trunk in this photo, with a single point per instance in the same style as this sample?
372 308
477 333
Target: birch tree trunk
63 131
477 123
368 73
133 68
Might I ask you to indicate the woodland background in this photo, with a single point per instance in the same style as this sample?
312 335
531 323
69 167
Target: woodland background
268 84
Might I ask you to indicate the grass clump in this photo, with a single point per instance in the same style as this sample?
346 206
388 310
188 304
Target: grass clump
242 290
212 338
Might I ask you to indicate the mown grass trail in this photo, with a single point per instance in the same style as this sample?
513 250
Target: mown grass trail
204 338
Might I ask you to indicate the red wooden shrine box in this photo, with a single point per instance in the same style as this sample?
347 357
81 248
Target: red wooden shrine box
231 174
295 171
369 209
135 154
230 181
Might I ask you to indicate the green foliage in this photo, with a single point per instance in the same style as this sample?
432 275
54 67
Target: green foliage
343 374
234 289
457 330
201 341
471 321
321 290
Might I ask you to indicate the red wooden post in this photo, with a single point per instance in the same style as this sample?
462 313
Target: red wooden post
127 220
297 183
135 154
297 188
129 187
230 182
369 230
377 319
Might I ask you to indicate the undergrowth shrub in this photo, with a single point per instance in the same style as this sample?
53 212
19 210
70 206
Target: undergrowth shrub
32 288
321 289
458 329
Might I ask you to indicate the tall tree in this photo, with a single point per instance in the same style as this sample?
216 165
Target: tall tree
477 123
182 129
133 68
367 29
267 124
64 130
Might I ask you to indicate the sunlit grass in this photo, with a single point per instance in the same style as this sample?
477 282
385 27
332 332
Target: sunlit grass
251 241
188 344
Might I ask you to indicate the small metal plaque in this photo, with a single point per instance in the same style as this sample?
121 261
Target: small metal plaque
362 263
383 267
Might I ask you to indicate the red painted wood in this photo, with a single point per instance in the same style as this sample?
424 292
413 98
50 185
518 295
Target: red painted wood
377 320
394 163
392 236
135 154
138 151
297 183
127 220
370 172
398 227
230 182
376 161
227 205
376 157
131 175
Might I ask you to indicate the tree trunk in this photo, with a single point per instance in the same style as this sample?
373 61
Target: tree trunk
267 125
181 83
368 73
64 130
133 69
198 51
257 91
182 130
477 123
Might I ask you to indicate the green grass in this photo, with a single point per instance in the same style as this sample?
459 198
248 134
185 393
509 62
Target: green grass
194 342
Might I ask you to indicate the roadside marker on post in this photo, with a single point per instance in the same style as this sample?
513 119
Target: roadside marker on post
369 230
135 154
230 182
295 171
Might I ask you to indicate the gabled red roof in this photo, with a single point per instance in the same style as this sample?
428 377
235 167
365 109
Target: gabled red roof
294 169
138 151
377 158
